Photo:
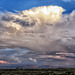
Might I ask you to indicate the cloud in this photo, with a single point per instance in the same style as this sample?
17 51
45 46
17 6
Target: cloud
72 55
42 29
34 60
25 56
51 56
68 0
38 37
13 56
3 62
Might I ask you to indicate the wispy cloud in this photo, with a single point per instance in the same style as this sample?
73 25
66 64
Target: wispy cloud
68 0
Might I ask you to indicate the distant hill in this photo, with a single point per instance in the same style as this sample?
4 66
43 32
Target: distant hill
30 66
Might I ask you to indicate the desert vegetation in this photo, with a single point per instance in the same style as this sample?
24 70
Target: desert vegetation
51 71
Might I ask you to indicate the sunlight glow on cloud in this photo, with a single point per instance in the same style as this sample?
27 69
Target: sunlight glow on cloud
51 56
46 13
3 62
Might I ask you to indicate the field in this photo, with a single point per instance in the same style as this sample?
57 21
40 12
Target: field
58 71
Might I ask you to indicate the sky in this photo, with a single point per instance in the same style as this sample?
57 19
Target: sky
38 32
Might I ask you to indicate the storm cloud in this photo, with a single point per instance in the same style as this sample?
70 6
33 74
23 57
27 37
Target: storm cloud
37 32
50 34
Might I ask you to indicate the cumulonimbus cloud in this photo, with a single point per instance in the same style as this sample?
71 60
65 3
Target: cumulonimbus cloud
40 29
